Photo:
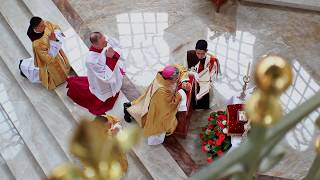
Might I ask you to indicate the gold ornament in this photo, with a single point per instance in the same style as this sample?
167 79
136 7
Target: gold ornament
317 145
263 109
273 76
102 155
67 172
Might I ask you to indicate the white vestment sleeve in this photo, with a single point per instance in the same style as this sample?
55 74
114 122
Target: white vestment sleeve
183 102
115 44
156 139
103 82
29 70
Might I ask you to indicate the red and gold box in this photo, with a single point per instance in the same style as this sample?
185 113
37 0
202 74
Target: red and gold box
236 119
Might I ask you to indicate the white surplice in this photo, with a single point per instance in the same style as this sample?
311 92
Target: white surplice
27 65
103 82
29 70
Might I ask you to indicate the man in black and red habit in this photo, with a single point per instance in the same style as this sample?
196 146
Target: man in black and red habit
199 61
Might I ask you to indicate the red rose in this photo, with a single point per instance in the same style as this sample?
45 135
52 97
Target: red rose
218 142
223 117
222 136
204 143
220 112
221 126
209 159
220 153
210 142
204 128
210 126
210 119
203 148
201 136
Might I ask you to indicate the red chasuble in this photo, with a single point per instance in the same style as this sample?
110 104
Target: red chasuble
78 90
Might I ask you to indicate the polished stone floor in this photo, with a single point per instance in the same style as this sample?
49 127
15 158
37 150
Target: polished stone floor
157 32
154 33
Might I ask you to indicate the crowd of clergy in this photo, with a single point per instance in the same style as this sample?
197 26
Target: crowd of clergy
155 110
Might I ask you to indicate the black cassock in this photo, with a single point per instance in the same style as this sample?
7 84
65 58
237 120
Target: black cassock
204 102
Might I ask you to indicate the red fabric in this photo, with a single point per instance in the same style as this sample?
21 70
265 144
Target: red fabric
235 127
201 66
92 48
213 61
112 62
188 93
78 91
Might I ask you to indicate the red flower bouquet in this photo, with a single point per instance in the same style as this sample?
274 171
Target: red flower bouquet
214 139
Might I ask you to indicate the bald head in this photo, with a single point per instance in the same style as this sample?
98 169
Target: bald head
98 40
94 37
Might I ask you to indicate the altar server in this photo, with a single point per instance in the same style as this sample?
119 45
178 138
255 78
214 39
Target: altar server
48 56
205 67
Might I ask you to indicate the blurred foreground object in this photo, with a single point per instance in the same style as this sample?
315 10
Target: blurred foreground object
98 152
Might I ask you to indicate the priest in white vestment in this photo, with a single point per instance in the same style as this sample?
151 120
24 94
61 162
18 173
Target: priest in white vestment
99 90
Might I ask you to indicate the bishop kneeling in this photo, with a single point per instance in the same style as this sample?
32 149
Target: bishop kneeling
155 111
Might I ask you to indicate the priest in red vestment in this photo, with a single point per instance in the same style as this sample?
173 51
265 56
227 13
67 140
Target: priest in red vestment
100 89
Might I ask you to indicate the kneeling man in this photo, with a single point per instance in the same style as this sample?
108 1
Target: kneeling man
156 109
99 91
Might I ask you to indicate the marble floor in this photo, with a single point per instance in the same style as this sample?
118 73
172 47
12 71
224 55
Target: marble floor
154 33
158 32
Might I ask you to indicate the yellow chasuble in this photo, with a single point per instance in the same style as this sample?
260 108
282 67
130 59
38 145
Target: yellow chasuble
53 71
156 109
122 157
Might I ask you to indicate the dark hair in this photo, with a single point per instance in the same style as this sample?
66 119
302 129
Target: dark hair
202 45
94 36
35 21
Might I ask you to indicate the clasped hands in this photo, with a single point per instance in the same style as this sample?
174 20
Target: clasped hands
110 52
53 37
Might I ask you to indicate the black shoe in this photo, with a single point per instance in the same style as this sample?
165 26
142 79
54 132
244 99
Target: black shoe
126 105
127 116
21 73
